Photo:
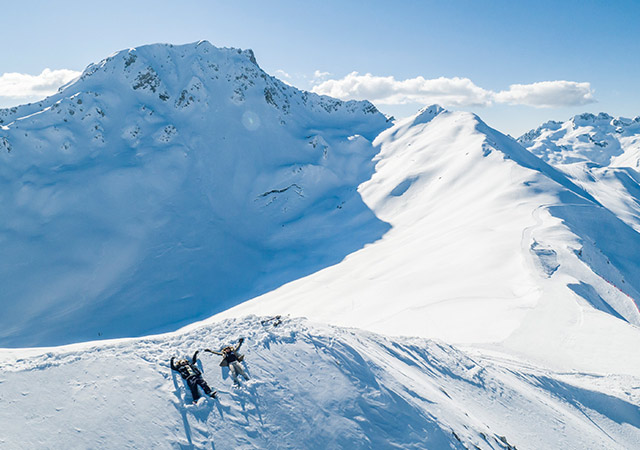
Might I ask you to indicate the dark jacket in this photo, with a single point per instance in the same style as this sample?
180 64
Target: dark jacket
187 370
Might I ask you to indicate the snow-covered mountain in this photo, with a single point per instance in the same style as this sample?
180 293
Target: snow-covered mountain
489 246
168 183
601 139
600 153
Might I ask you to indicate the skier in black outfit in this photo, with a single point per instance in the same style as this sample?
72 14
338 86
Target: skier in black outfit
232 360
189 371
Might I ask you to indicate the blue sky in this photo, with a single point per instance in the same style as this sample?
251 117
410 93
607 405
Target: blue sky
475 48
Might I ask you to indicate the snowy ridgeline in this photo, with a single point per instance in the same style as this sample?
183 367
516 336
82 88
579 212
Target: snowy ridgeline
312 386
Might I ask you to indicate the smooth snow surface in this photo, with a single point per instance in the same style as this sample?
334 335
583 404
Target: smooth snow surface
312 386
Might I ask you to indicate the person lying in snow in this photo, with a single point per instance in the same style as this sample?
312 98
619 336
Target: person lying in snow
232 360
191 374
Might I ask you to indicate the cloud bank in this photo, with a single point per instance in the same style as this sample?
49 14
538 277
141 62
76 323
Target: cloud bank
453 92
24 86
547 94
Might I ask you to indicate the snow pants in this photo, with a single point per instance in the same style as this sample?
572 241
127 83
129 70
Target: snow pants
235 369
193 382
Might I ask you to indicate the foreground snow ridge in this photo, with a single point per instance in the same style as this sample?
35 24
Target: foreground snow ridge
313 386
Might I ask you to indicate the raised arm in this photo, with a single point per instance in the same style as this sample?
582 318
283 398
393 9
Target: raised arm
213 351
195 357
237 347
173 366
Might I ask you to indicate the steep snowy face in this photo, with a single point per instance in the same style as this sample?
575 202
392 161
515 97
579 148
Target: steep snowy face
168 183
601 139
489 245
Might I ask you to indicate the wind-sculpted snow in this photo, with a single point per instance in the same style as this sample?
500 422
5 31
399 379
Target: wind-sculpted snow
168 183
600 154
312 386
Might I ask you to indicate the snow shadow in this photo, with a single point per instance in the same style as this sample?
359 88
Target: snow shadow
180 393
587 292
168 259
611 248
379 411
584 400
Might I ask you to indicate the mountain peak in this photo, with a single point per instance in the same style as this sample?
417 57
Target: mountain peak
600 139
588 118
191 78
162 129
159 67
427 113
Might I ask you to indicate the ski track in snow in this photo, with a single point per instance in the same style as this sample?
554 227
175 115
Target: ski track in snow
312 386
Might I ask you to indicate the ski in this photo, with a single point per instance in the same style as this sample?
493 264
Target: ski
275 320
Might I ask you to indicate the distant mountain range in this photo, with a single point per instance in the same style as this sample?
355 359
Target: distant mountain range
601 139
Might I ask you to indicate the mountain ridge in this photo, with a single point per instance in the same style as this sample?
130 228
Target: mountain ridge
601 139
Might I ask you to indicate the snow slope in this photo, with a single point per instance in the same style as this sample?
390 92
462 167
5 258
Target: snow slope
489 246
168 183
313 386
601 153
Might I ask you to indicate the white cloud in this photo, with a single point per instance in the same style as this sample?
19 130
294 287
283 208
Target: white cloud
388 90
282 74
23 86
547 94
454 92
318 75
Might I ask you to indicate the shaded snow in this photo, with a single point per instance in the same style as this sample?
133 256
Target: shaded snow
154 191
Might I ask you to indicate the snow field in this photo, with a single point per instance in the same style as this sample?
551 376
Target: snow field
312 386
168 183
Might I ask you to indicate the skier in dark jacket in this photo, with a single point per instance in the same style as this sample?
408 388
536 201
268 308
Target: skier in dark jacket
191 374
232 360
